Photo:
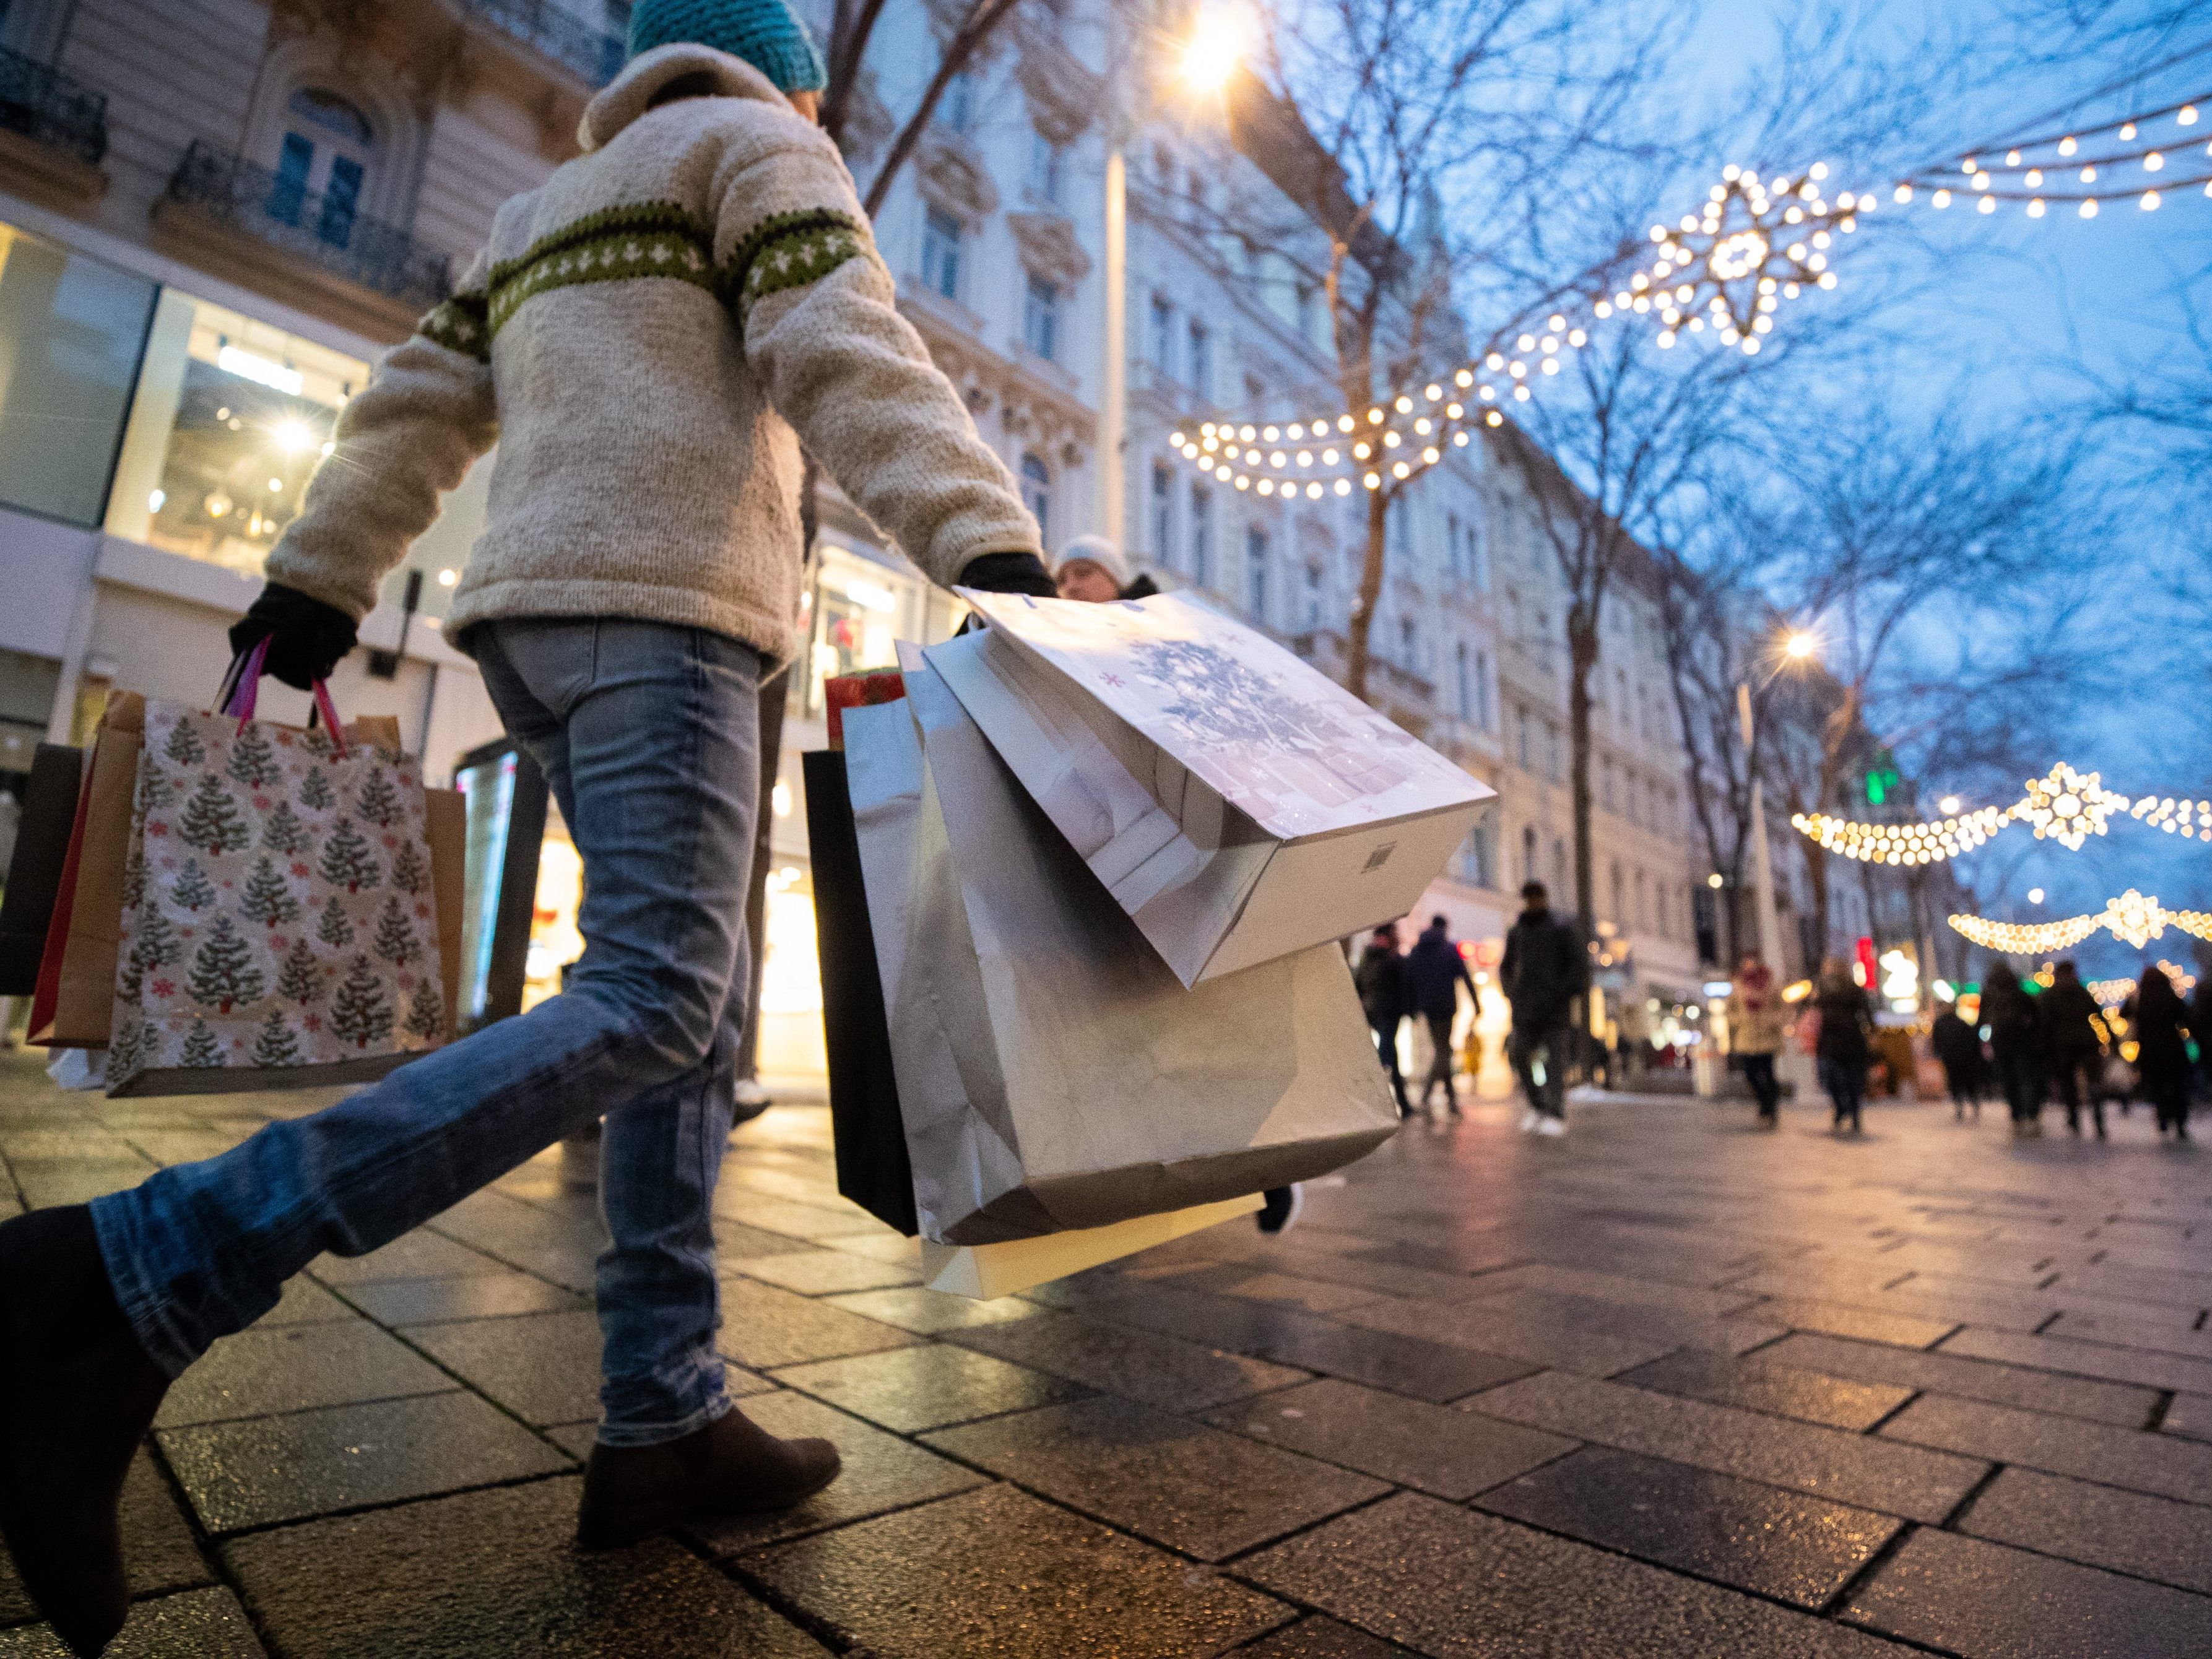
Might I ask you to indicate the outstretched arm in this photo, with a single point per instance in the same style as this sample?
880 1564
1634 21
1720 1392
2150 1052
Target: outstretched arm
816 306
403 441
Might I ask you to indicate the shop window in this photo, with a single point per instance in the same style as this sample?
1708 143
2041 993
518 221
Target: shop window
71 331
859 609
1036 493
232 416
941 237
1041 318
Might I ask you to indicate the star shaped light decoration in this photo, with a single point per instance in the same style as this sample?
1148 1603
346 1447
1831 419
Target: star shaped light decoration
2135 918
2068 806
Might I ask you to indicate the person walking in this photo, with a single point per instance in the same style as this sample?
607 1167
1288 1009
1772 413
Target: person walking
2200 1027
2071 1029
1435 971
1093 569
650 337
1754 1023
1544 970
1845 1045
2160 1028
2009 1014
1958 1048
1381 979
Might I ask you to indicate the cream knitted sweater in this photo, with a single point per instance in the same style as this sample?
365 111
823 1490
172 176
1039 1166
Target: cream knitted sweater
640 338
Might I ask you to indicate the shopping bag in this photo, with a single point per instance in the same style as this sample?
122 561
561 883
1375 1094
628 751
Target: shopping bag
1052 1073
279 924
866 1128
1238 803
77 991
42 834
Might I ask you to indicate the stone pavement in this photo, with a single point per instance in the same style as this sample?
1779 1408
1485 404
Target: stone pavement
1666 1385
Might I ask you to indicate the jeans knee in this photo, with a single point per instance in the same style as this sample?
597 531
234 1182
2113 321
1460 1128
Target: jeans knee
670 1029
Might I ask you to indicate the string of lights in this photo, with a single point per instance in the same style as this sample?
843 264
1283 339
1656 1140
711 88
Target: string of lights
2063 805
2135 917
1724 271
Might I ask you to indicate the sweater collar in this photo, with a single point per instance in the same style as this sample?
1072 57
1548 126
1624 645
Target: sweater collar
625 98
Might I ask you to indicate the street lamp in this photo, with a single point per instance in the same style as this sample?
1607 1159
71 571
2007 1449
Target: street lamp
1209 58
1798 646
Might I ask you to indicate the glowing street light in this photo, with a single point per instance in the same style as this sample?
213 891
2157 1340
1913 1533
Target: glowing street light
1215 48
1948 806
2035 896
1800 645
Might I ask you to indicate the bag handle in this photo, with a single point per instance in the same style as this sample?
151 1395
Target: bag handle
240 692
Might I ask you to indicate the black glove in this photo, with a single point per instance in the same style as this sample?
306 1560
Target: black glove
305 636
1009 572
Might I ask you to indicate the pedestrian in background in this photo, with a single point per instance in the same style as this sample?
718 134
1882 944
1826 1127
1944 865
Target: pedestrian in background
1754 1023
1957 1047
1091 568
1846 1042
2009 1016
2071 1029
1435 970
2160 1028
1381 977
2200 1027
1545 969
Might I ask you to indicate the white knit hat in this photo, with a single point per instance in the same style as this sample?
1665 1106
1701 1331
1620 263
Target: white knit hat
1098 550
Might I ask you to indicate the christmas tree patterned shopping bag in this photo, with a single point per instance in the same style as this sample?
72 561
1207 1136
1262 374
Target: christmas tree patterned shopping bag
279 923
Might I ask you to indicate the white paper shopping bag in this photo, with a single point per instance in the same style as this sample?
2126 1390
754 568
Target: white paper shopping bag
1238 803
1052 1073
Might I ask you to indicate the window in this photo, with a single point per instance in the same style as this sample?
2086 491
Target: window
1045 158
1476 555
1041 318
1606 793
1257 558
1558 866
1520 737
1162 341
231 417
957 109
1451 546
1201 360
1163 165
1622 716
1409 643
941 236
1620 916
1642 904
1486 707
1461 674
1311 615
1201 534
72 331
324 156
1477 857
1256 392
1394 527
1036 492
1163 512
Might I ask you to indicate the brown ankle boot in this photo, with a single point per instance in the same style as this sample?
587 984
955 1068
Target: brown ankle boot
732 1467
78 1394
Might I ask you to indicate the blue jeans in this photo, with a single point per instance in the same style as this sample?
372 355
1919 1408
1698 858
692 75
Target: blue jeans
648 738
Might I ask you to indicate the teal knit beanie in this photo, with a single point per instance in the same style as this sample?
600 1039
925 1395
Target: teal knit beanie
761 32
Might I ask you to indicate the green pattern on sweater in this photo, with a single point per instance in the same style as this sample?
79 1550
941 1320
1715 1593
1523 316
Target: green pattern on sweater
460 325
607 256
787 251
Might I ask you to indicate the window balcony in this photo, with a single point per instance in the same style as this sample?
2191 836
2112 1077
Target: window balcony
214 191
50 125
592 55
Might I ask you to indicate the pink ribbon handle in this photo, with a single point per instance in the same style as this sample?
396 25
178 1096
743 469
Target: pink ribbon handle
241 693
330 715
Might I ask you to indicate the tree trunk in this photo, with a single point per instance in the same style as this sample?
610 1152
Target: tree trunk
1358 633
1582 661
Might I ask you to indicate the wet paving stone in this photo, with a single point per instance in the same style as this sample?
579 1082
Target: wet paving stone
2167 1333
2141 1368
1939 1371
1408 1443
449 1301
928 1313
2098 1525
1550 1278
1971 1597
49 1180
995 1574
764 1326
734 1238
881 1472
207 1624
1754 1537
1777 1389
1141 1366
2164 1464
496 1575
1193 1488
158 1550
1901 1330
2188 1415
1859 1470
780 1215
818 1273
1400 1570
419 1255
311 1463
296 1367
914 1388
1513 1327
304 1303
1279 1290
544 1368
1323 1638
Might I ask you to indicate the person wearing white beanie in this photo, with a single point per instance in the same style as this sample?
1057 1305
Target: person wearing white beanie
1091 568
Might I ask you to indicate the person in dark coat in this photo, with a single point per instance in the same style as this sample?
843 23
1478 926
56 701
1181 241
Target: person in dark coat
2200 1027
1545 969
2160 1030
1844 1046
1381 977
2072 1030
1435 970
1965 1067
2009 1015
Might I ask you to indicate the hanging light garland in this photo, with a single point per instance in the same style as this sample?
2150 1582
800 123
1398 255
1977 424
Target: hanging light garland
2134 917
2063 805
1725 270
